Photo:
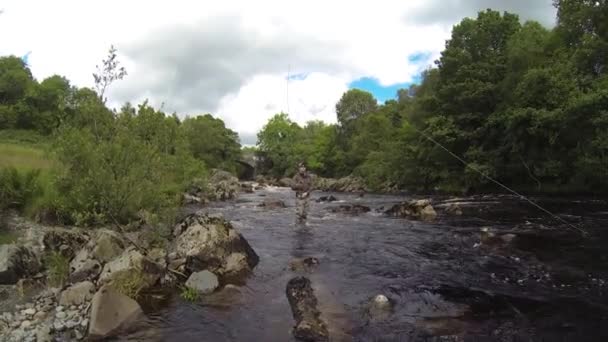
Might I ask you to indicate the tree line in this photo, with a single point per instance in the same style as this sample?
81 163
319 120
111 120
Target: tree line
111 166
523 104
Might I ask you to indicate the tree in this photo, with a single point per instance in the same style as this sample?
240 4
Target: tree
109 72
277 141
353 104
210 141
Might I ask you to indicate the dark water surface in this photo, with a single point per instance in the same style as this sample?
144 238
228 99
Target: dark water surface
546 285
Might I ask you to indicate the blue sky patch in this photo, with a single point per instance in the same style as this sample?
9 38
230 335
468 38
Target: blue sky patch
298 77
383 93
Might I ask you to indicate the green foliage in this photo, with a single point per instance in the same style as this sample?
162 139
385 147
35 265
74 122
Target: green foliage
210 141
129 283
18 188
58 269
7 238
520 103
189 294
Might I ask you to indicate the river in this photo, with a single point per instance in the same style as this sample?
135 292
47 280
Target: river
546 285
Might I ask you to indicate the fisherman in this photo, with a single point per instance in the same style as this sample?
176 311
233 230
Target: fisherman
302 185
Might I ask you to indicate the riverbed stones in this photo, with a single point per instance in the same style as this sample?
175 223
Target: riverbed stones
204 282
414 210
301 297
207 243
111 312
77 294
303 264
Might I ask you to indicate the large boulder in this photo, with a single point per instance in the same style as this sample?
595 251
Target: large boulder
17 262
211 243
414 210
133 264
77 294
64 240
84 267
107 245
223 185
204 282
111 312
301 297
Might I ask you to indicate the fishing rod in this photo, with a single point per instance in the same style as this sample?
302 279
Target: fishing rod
464 162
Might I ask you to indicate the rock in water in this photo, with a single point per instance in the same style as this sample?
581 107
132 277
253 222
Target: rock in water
303 265
15 263
111 312
211 243
309 326
354 209
204 282
329 198
77 294
414 210
271 203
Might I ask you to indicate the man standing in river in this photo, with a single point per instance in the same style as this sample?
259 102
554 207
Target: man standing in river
302 185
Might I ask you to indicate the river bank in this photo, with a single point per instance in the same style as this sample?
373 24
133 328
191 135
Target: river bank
484 267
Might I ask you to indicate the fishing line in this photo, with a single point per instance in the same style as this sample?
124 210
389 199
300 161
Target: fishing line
568 224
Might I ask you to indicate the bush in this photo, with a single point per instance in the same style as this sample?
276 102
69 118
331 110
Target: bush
189 294
18 188
111 180
129 283
58 267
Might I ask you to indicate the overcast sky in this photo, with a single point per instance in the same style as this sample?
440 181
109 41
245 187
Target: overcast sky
232 58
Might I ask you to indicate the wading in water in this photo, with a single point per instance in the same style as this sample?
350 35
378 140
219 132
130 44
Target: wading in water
302 185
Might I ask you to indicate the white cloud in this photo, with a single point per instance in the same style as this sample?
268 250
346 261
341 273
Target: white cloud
230 57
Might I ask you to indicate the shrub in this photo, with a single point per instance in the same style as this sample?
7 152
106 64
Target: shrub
58 267
129 283
18 188
189 294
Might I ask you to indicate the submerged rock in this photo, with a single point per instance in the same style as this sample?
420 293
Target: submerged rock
271 203
303 264
204 282
352 209
111 312
415 210
301 297
211 243
329 198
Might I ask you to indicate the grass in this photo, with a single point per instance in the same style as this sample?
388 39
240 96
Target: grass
189 294
24 157
129 283
58 267
7 238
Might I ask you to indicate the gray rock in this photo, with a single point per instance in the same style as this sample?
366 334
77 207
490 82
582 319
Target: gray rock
59 308
131 261
84 323
40 315
204 282
61 315
54 238
414 210
16 262
29 312
58 326
207 241
43 333
26 324
108 245
84 267
111 312
309 326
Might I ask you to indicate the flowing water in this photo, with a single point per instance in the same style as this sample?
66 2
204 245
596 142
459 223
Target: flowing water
545 285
